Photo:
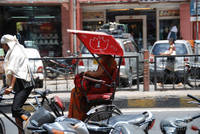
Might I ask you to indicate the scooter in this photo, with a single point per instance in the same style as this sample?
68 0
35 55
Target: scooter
40 116
175 125
110 115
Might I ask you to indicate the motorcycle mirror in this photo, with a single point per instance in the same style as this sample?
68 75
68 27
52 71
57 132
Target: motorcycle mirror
195 128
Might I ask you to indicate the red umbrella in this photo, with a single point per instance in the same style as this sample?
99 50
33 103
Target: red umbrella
99 42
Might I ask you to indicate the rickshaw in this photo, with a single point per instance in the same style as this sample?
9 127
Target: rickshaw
102 110
101 102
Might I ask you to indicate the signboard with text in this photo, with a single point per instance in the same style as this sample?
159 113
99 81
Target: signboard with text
193 9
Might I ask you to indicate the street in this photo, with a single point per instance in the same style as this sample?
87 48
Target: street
159 113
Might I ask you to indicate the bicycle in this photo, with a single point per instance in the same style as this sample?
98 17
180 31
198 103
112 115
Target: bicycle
40 115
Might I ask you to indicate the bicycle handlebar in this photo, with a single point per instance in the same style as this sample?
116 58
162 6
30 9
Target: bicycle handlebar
93 79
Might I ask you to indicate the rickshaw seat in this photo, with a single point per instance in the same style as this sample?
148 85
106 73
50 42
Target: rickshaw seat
103 94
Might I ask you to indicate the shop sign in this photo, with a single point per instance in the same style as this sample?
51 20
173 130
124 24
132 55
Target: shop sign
93 15
163 13
194 18
193 5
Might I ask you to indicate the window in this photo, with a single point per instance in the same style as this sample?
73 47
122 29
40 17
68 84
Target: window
129 47
163 47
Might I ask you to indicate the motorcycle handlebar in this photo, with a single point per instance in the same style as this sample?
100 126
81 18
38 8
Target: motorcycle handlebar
193 97
196 116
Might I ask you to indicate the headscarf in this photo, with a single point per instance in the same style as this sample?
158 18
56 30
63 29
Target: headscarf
16 62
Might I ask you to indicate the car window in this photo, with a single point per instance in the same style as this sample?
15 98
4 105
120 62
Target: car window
128 46
181 49
163 47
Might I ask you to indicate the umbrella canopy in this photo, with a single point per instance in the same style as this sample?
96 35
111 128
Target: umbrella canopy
99 42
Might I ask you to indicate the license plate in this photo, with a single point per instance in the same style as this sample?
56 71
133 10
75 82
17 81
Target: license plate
94 62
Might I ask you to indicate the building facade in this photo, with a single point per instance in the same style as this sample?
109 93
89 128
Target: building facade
45 22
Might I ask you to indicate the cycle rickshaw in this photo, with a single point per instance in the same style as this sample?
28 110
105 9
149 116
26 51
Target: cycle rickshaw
101 103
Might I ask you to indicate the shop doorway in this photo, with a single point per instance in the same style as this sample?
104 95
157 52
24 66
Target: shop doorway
137 26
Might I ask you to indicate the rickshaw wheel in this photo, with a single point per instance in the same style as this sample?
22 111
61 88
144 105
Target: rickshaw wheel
103 114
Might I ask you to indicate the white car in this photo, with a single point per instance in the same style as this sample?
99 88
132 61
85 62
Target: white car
128 68
36 66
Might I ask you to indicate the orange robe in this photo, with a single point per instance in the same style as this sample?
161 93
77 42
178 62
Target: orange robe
78 105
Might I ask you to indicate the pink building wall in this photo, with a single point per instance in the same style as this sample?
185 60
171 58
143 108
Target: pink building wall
186 30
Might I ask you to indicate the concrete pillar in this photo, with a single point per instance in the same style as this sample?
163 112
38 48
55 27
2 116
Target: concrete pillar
78 22
65 25
186 31
71 25
146 70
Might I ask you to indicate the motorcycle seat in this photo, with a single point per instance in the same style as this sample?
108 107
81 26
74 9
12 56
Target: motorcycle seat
133 119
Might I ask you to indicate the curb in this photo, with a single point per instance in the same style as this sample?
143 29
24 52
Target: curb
126 100
158 102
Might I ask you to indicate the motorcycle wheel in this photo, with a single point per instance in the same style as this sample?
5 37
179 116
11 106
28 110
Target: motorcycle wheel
193 79
2 127
51 74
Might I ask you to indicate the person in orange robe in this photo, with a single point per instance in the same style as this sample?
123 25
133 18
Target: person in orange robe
78 105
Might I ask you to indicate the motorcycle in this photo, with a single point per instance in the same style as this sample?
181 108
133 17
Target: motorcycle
175 125
56 67
42 121
40 116
193 75
195 128
110 115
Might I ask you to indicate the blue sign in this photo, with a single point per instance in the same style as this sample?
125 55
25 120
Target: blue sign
193 5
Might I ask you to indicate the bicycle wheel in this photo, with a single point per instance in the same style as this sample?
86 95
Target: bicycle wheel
2 127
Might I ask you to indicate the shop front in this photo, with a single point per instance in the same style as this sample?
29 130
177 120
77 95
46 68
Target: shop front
168 19
35 26
93 20
147 21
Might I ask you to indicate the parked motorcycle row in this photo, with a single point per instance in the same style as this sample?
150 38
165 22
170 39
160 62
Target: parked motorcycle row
49 118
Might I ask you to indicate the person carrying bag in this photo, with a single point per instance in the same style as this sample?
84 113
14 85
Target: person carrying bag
18 76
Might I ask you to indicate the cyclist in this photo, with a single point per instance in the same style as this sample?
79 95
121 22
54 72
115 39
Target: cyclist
18 76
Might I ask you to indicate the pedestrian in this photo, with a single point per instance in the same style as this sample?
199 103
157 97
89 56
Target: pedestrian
170 61
18 76
173 33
